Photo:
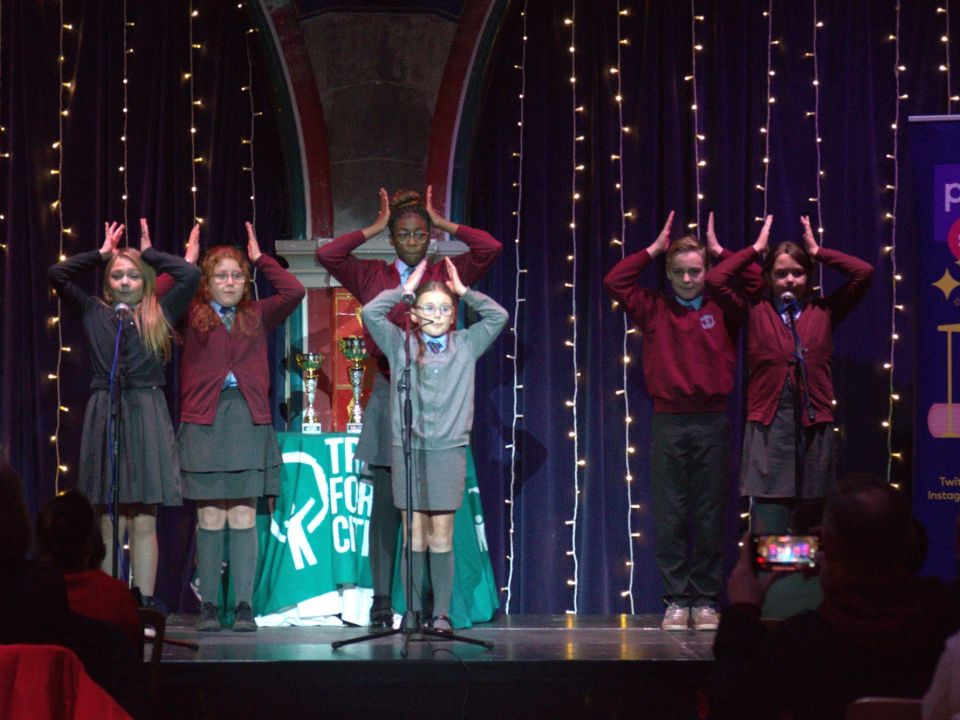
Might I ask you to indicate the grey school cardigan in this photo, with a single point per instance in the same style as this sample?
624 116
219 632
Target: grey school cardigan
442 385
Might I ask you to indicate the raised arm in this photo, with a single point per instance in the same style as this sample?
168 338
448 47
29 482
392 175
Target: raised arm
492 317
385 334
621 282
62 276
336 255
723 279
859 274
483 250
751 282
289 291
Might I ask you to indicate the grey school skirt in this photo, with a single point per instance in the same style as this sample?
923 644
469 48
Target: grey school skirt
231 459
438 478
767 466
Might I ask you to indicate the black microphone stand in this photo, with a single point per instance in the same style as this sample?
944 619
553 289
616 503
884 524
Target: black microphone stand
114 434
801 401
411 627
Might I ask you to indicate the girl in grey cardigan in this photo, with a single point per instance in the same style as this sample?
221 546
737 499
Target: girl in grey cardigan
443 363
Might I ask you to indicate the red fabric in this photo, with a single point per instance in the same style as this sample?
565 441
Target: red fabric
96 595
689 356
208 357
48 681
770 345
365 279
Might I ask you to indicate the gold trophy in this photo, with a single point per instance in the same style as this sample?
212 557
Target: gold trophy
354 351
309 364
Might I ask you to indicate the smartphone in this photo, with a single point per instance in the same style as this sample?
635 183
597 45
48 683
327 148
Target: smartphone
785 552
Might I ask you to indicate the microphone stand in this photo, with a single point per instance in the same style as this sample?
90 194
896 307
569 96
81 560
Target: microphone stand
801 401
411 627
113 433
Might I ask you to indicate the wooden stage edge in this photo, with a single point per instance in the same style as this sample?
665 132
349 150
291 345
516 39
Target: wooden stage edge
541 666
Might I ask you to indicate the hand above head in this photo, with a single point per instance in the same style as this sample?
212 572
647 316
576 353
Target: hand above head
743 585
112 232
660 245
383 217
145 242
193 245
714 248
809 241
253 247
454 283
760 245
436 219
414 280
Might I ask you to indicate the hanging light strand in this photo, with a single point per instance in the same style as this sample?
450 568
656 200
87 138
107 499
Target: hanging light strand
946 67
518 299
194 160
127 51
895 306
578 462
248 88
698 161
765 129
627 445
818 140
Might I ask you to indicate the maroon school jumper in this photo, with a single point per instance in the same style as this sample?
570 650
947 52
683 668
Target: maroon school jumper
365 279
770 345
209 356
689 356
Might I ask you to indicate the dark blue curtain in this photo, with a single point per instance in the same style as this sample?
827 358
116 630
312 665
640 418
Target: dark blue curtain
858 101
159 180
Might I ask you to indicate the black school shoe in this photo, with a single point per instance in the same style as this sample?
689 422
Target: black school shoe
381 613
243 618
209 620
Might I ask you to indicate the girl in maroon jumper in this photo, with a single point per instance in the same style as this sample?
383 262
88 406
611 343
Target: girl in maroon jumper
777 393
228 449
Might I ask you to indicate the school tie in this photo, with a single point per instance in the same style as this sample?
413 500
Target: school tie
434 346
405 275
227 315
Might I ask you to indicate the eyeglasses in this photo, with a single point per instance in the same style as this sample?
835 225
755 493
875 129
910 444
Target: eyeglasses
221 277
431 309
419 235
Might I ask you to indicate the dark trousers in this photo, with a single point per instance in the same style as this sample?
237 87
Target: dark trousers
689 471
384 529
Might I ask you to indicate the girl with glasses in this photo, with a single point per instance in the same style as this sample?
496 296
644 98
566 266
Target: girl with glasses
228 448
441 394
148 471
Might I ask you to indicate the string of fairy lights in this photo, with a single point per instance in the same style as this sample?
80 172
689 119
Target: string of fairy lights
771 99
891 249
127 52
518 299
249 140
195 103
945 67
63 99
699 162
628 449
818 140
578 167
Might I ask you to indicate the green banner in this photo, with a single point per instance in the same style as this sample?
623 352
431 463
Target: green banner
314 551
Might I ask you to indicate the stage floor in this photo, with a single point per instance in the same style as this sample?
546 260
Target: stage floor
550 666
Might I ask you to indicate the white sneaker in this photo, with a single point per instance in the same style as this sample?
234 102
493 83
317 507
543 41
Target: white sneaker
705 618
675 618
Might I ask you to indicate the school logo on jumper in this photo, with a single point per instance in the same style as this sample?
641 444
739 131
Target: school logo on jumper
707 321
327 498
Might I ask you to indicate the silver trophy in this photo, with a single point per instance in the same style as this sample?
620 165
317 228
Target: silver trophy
353 350
309 364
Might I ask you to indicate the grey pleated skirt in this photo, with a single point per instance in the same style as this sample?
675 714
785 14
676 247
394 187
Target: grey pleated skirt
231 459
438 478
375 446
148 470
769 456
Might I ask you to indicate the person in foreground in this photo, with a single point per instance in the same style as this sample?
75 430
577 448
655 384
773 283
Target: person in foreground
228 449
879 630
68 536
443 362
689 360
409 221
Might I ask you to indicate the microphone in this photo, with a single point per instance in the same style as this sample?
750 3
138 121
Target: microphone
123 310
789 301
407 298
